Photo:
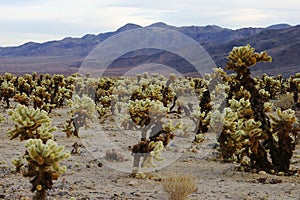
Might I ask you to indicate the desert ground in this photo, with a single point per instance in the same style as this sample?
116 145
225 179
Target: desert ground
90 177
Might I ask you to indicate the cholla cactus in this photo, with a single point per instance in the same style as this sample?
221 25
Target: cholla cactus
22 99
30 123
43 160
7 90
140 111
248 139
82 110
155 153
257 134
104 108
24 84
272 85
226 139
149 113
2 118
62 95
18 163
283 130
295 88
241 58
42 99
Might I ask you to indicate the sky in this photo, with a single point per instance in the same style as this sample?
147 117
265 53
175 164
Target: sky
23 21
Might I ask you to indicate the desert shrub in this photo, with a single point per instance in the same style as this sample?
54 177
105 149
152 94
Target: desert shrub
284 101
179 186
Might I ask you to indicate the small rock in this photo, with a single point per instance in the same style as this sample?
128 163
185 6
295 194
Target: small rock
262 173
137 194
275 181
133 183
2 195
194 150
280 173
63 193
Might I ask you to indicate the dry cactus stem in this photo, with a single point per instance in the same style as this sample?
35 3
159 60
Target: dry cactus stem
30 123
43 161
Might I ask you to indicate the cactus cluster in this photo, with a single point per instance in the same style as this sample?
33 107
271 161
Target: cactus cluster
44 91
42 153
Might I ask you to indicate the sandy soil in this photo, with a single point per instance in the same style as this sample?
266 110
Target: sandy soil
90 177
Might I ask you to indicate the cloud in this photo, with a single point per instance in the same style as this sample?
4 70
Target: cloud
57 18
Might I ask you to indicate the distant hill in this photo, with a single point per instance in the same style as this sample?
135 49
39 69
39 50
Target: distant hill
281 41
282 44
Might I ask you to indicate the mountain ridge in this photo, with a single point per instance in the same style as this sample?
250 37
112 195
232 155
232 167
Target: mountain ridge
280 40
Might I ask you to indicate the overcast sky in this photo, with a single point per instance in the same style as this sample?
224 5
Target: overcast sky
42 20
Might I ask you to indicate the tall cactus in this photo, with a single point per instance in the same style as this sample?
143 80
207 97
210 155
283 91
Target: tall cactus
261 134
240 60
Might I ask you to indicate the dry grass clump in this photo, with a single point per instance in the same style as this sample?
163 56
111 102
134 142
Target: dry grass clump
284 101
179 186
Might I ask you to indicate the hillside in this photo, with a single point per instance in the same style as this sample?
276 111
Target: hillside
281 41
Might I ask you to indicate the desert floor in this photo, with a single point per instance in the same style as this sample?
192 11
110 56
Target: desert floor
90 176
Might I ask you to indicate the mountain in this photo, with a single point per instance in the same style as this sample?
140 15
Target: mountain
279 26
283 45
281 41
